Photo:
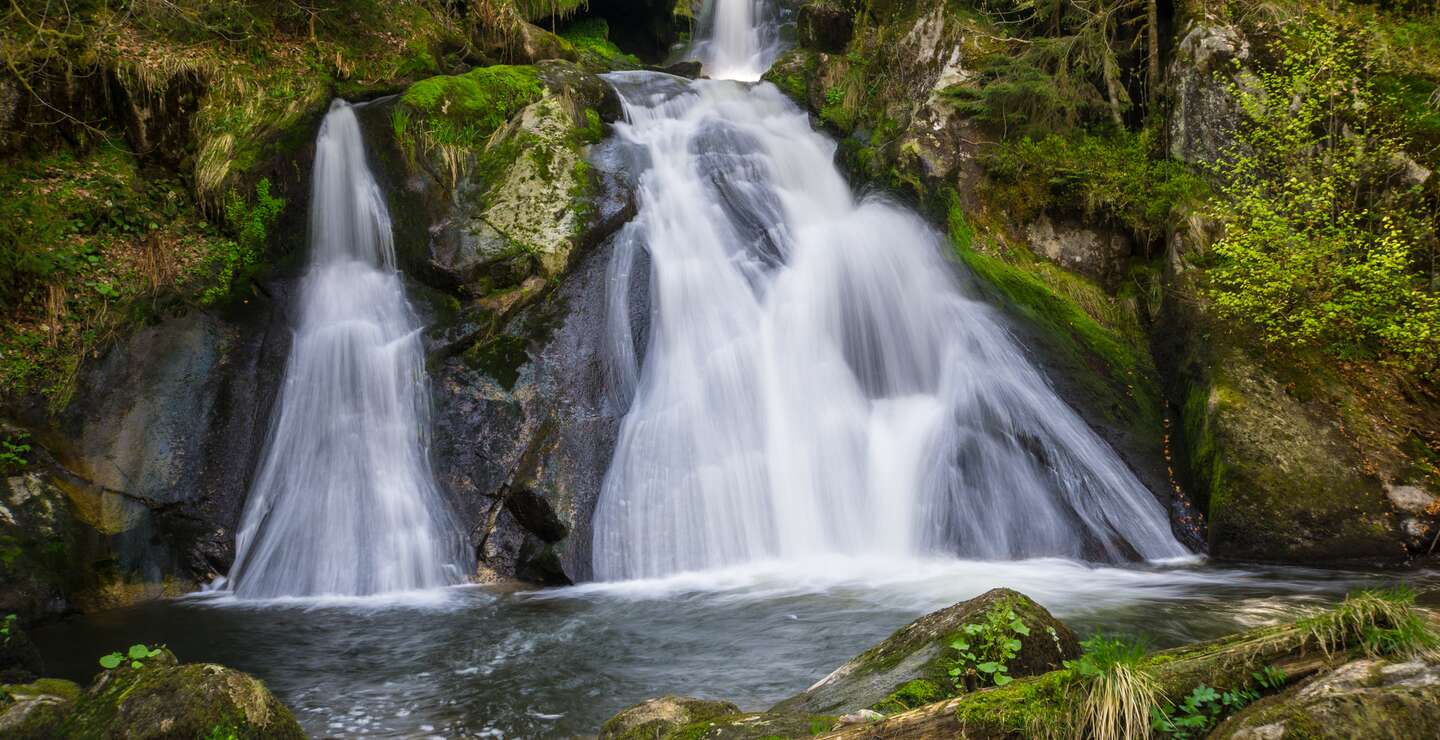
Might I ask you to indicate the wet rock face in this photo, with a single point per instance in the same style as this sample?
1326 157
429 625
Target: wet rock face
915 660
825 26
516 258
19 660
523 438
1364 698
147 468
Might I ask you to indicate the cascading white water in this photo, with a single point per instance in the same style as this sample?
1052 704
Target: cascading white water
738 39
344 501
816 379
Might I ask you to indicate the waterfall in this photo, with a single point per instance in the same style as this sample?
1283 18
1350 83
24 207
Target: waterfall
817 378
738 39
344 501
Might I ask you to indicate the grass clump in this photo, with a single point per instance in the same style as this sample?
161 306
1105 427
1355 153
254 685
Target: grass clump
1112 697
1374 624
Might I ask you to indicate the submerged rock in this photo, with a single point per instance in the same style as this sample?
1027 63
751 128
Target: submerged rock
661 717
1370 698
910 667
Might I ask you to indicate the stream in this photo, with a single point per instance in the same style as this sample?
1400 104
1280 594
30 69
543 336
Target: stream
475 662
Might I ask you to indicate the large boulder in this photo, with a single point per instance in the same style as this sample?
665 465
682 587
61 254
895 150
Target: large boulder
1289 462
911 667
164 699
159 699
1370 698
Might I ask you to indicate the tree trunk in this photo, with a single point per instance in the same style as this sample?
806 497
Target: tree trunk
1152 82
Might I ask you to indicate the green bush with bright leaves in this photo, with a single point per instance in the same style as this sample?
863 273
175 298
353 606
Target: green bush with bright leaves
1320 250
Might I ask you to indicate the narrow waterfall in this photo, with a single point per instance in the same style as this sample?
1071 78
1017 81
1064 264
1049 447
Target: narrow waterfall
344 501
816 379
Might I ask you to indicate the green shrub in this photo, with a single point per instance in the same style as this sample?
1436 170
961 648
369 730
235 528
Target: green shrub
251 226
1318 251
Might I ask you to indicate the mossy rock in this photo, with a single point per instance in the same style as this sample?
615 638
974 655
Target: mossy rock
911 666
1365 698
662 716
163 699
36 709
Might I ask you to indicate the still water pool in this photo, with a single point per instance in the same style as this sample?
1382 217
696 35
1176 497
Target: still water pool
479 662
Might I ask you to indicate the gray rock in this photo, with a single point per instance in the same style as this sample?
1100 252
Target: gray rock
1089 250
1369 698
1204 114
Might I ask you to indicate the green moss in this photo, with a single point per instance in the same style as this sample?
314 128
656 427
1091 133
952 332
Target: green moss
911 694
1111 362
591 39
67 690
98 247
500 357
464 110
191 700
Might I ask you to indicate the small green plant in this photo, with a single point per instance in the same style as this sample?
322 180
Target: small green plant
1206 706
984 650
137 655
5 627
251 224
14 452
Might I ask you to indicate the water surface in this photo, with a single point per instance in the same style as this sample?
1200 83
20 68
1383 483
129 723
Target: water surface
475 662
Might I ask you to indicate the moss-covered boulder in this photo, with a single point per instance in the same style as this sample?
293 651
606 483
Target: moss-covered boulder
35 710
503 150
164 699
662 716
1370 698
911 667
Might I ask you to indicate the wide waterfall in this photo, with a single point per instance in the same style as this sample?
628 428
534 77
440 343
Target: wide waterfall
345 501
817 378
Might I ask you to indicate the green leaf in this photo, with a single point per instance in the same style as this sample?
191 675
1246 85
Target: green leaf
1020 627
1012 645
139 651
989 667
1001 679
110 661
137 665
